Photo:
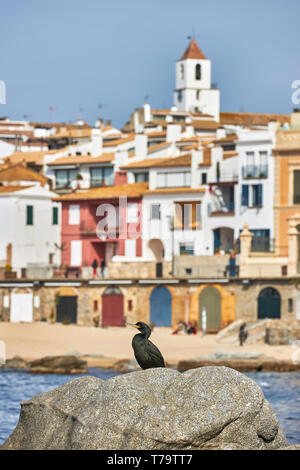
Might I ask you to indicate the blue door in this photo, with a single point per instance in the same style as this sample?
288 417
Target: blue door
217 241
161 307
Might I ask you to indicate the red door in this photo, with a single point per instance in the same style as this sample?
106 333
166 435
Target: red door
112 310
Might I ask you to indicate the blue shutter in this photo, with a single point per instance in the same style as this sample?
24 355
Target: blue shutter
245 195
259 195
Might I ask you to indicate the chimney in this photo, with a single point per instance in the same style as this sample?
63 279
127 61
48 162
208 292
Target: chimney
147 113
141 146
96 144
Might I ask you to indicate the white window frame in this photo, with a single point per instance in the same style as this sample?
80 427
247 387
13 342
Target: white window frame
74 214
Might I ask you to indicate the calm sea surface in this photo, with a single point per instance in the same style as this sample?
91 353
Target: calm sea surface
282 390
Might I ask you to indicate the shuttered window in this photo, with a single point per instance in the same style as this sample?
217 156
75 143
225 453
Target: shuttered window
297 187
29 215
245 195
54 215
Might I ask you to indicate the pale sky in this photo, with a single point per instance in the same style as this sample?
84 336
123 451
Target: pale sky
104 57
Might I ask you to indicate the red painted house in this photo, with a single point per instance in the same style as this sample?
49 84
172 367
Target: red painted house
100 223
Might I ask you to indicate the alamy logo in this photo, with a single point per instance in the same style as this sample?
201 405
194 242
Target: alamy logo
2 92
296 93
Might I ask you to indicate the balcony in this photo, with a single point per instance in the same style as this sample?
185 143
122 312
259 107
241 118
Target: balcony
221 211
90 228
224 179
255 171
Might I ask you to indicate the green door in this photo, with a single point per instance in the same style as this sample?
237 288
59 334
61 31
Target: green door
210 298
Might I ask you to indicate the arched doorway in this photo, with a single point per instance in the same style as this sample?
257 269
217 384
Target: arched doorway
112 307
161 306
223 239
269 303
21 306
210 299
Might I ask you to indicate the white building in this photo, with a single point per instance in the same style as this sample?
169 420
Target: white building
30 220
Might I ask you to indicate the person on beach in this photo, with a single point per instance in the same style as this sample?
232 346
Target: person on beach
95 268
243 335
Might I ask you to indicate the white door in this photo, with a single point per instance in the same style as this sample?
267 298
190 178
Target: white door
21 308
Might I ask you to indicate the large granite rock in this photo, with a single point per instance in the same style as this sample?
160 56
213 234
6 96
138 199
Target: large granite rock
207 408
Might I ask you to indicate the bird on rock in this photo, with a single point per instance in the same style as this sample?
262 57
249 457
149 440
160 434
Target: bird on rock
145 352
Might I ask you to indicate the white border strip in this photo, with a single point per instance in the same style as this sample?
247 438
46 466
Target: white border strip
14 284
111 281
207 281
158 281
62 284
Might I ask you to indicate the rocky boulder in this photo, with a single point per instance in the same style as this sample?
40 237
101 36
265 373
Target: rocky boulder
58 365
207 408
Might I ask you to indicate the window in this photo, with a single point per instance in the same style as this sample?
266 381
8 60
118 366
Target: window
256 195
54 215
197 94
29 215
76 252
95 306
198 72
290 305
101 176
74 215
141 177
174 180
203 178
186 248
181 71
261 241
179 96
64 178
297 187
187 215
155 211
132 212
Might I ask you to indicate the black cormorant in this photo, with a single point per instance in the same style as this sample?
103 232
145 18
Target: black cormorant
146 353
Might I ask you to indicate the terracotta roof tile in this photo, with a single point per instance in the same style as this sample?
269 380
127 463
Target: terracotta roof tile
252 118
175 190
111 192
115 143
182 160
21 173
193 51
81 159
12 189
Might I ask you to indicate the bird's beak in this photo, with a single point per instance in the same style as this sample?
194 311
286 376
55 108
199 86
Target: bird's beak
132 324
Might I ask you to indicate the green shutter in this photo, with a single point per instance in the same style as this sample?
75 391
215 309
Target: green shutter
55 215
29 215
297 187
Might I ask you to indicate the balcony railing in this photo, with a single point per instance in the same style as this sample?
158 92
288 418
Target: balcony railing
91 229
224 178
255 171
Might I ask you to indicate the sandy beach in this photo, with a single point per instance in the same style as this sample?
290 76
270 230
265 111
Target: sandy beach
107 345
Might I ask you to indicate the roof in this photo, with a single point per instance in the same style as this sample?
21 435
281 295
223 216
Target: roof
160 146
116 142
65 133
12 189
205 124
21 173
175 190
134 190
252 118
29 157
193 51
81 159
206 157
183 160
